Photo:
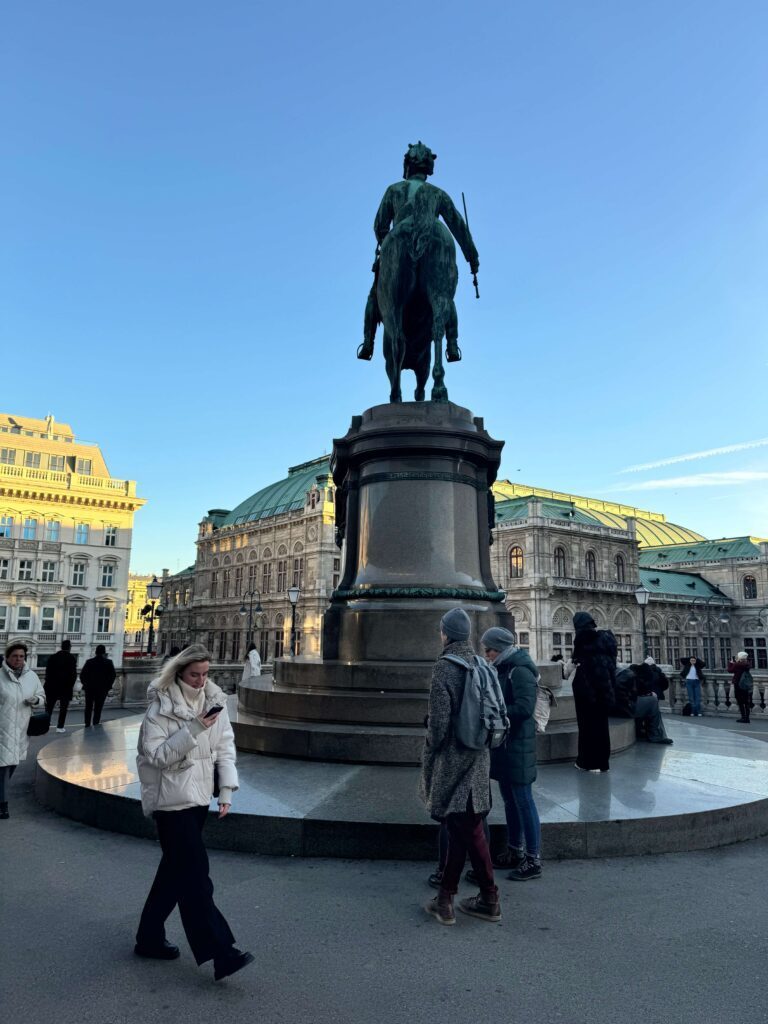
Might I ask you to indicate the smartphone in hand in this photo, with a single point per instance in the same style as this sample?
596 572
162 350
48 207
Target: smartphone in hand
215 710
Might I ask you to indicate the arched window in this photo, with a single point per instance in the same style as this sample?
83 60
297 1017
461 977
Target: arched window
515 563
591 564
620 571
750 588
559 561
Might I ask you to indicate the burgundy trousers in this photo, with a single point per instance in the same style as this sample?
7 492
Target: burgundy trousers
466 837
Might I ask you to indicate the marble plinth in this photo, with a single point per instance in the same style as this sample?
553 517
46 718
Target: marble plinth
709 789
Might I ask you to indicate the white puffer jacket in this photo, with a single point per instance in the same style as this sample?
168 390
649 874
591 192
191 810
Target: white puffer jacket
176 753
17 698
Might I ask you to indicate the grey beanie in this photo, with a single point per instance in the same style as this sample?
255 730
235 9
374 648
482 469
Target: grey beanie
456 625
583 620
497 639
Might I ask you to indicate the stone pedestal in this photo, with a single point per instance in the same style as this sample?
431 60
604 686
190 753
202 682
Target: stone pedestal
414 511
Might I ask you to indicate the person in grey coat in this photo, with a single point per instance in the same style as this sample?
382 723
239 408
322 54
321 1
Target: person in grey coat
513 764
455 782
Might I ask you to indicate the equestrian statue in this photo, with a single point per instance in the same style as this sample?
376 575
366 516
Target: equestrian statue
415 277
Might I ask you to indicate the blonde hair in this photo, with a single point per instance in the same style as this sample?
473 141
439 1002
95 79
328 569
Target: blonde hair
742 656
175 666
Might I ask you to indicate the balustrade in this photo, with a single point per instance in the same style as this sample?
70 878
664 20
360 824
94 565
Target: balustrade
717 695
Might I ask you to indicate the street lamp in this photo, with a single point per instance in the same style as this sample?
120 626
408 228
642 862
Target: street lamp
154 590
723 617
643 596
294 593
250 594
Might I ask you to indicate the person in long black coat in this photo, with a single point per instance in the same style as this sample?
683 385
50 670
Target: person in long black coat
594 652
97 676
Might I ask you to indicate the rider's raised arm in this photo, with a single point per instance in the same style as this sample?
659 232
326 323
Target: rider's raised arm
384 217
459 230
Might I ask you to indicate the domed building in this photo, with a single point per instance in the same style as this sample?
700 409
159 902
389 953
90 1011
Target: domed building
553 554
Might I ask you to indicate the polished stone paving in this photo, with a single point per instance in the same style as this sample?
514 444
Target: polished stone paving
709 789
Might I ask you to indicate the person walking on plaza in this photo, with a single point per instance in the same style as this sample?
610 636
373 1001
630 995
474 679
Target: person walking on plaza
743 685
60 678
594 654
97 676
20 691
455 781
252 666
185 733
513 764
692 674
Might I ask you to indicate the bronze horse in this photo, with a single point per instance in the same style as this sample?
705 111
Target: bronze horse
416 278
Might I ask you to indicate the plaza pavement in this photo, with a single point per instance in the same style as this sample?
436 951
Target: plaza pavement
677 938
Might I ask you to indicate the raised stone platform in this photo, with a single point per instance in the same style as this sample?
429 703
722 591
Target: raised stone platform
709 789
366 726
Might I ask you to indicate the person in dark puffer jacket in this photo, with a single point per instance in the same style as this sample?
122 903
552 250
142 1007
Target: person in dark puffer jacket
594 652
513 764
455 784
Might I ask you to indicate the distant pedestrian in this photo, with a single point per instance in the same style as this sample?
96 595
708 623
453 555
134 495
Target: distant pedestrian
743 685
513 764
97 676
594 653
455 782
185 733
692 674
60 679
20 691
252 666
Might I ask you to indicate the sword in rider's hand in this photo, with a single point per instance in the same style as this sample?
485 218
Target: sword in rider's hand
466 221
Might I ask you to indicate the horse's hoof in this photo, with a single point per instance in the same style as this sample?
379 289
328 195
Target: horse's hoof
365 351
439 394
453 354
419 394
396 398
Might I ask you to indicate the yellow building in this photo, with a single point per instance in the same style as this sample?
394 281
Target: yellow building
66 529
136 626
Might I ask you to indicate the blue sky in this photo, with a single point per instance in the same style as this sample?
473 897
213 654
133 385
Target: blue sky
188 191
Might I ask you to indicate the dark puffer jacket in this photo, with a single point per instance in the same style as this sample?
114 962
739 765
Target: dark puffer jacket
594 651
450 773
516 759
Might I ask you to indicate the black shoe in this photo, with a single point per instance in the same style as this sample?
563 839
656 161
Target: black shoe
436 879
508 859
531 869
166 951
4 811
230 964
663 739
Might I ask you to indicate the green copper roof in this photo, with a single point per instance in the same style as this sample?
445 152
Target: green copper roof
678 584
284 496
703 551
649 532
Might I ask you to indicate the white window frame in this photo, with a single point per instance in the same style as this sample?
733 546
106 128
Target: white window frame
48 572
48 619
26 618
52 531
6 526
104 618
27 567
32 460
3 617
79 569
5 568
75 612
82 533
57 463
29 529
110 536
108 575
7 456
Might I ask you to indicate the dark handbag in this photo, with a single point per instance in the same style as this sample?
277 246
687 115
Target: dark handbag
39 723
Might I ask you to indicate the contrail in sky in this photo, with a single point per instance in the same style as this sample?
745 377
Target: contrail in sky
725 450
697 480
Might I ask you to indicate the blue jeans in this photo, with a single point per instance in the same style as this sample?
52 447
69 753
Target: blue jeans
693 686
523 825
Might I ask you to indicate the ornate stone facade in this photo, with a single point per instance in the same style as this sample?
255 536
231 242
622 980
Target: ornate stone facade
66 528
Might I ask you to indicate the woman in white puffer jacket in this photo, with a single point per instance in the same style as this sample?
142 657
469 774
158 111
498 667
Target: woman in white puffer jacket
20 691
185 733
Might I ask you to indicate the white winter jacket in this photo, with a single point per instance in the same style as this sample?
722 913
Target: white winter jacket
176 753
252 666
17 698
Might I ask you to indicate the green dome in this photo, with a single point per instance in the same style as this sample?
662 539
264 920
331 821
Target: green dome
286 495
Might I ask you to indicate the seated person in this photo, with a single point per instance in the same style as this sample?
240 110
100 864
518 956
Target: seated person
635 698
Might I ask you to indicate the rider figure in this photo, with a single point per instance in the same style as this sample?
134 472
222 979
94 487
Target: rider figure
413 206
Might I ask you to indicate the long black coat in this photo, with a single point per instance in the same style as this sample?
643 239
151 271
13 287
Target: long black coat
515 761
97 674
61 673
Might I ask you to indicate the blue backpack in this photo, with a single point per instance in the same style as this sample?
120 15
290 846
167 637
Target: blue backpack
481 720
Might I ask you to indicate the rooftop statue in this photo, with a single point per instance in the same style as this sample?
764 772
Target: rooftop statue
415 277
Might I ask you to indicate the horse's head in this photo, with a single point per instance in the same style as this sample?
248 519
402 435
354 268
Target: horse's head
419 159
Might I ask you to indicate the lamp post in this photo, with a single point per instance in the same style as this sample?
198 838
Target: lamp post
643 596
250 594
294 593
154 590
724 618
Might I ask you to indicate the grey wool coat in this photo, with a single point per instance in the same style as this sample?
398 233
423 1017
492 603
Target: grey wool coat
450 773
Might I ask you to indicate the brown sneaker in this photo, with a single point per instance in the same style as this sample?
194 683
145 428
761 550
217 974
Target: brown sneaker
441 907
478 906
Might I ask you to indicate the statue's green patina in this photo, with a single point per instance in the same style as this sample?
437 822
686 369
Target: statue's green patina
415 277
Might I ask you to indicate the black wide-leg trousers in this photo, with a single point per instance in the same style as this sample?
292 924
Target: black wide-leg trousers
182 878
594 749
